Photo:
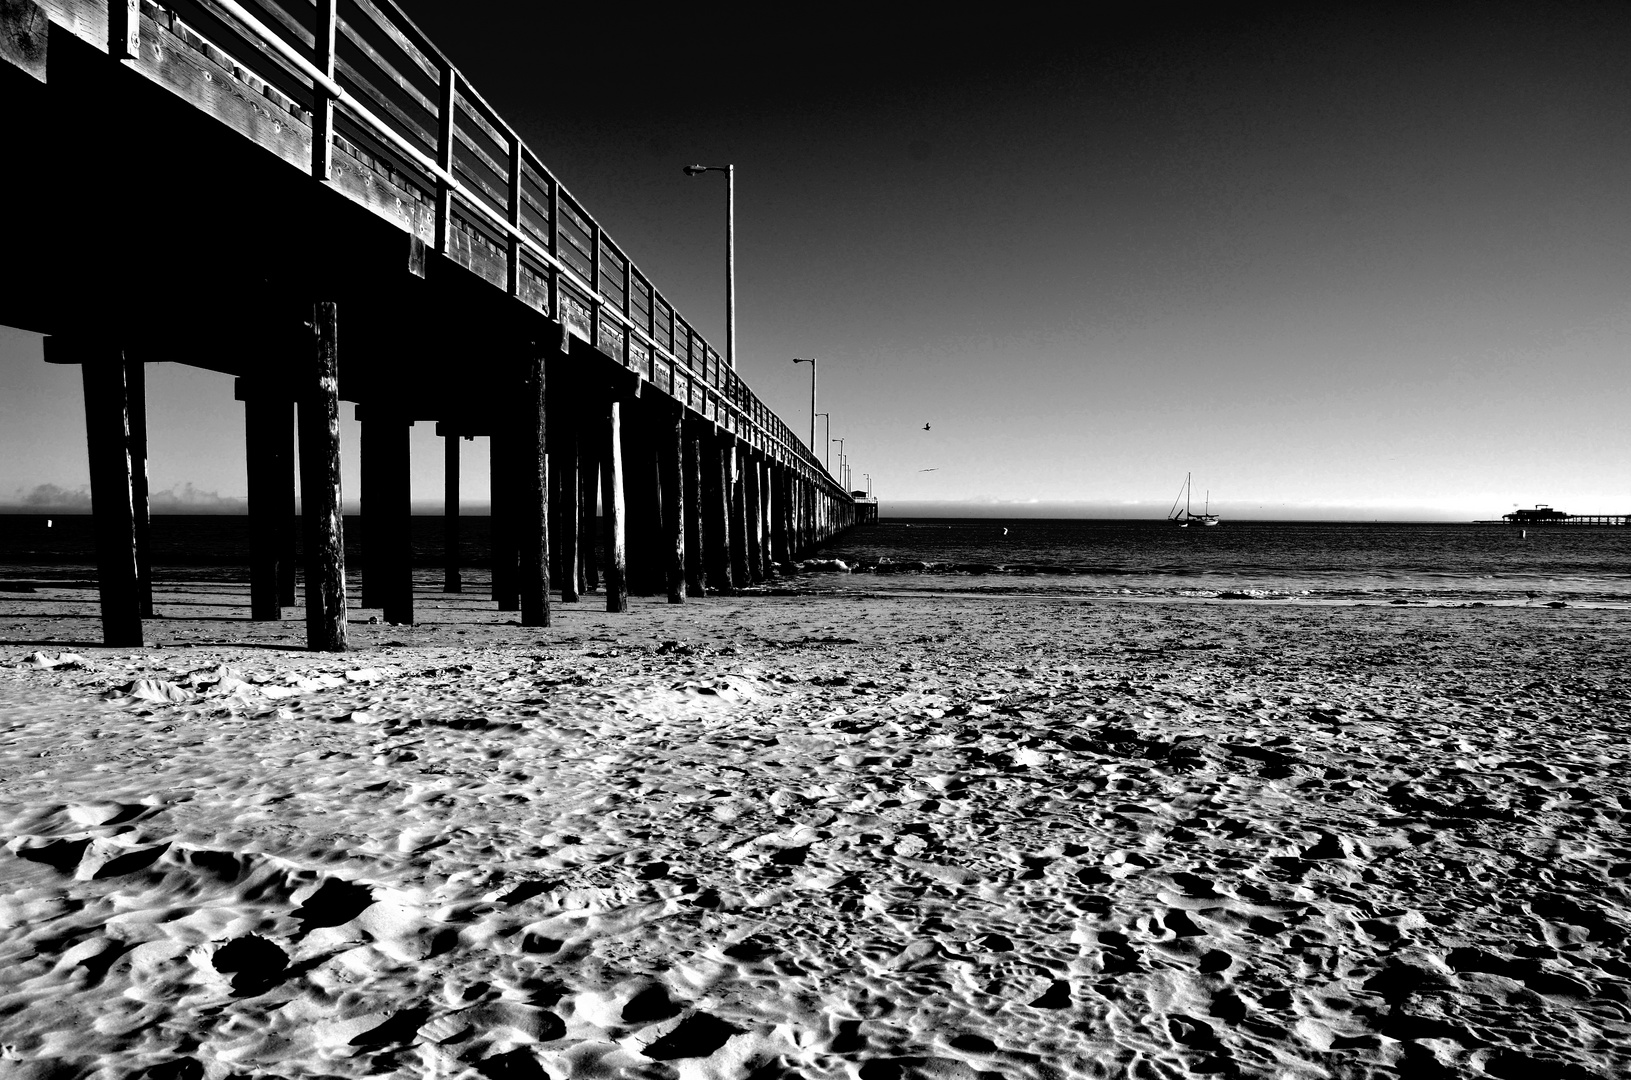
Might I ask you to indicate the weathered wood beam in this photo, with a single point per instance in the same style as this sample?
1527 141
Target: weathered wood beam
107 437
532 488
264 412
502 524
452 576
670 463
320 487
691 492
752 521
716 532
741 574
611 505
588 506
570 486
390 522
141 509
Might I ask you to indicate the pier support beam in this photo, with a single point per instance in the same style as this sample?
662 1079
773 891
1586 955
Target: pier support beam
779 519
741 575
588 506
752 521
142 518
269 453
501 468
452 577
107 437
569 520
611 505
717 530
390 513
767 557
670 464
691 487
320 487
532 489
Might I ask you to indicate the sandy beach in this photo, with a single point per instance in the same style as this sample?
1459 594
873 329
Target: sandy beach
840 835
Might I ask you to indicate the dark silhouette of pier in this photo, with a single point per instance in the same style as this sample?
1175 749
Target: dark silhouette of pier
310 197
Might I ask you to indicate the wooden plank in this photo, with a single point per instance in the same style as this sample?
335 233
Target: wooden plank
402 33
387 69
320 488
357 82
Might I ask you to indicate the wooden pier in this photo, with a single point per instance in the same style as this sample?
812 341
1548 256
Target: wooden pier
310 197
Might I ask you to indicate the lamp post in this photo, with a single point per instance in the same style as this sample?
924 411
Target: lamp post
826 429
868 484
730 253
840 443
812 362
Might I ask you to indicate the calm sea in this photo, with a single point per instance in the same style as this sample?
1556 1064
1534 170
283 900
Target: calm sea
1153 558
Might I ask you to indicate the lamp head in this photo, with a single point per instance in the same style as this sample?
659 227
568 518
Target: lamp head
693 170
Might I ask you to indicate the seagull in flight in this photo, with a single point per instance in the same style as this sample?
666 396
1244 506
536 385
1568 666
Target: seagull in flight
925 427
935 469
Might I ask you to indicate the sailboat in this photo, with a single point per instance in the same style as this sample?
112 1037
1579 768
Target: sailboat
1183 518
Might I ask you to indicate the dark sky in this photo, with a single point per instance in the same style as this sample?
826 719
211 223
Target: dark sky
1331 258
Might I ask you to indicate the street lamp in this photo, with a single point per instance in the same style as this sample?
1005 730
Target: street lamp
730 253
868 484
812 362
840 443
826 429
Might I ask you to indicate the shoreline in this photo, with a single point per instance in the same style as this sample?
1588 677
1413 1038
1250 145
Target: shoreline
827 835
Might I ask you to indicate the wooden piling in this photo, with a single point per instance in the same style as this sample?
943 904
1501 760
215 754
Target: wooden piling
637 473
371 500
778 516
532 498
767 557
741 575
670 463
752 522
691 488
262 415
452 576
390 522
588 508
107 437
504 551
142 517
569 530
283 498
320 488
717 531
611 506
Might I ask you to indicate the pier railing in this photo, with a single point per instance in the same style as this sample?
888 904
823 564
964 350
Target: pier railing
352 92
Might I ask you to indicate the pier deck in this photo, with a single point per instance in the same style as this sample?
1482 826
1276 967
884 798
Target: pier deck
310 196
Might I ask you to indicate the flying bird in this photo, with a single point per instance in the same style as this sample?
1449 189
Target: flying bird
925 427
935 469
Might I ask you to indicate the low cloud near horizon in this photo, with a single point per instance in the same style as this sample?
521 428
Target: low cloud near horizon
178 499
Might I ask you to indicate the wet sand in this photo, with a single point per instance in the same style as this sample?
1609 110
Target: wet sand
845 835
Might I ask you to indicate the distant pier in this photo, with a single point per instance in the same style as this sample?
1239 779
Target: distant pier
1545 515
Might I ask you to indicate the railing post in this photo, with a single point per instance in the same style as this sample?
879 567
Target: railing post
444 160
512 267
322 106
124 29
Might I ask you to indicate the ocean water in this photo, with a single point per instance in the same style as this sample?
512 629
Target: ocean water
1251 559
1313 560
